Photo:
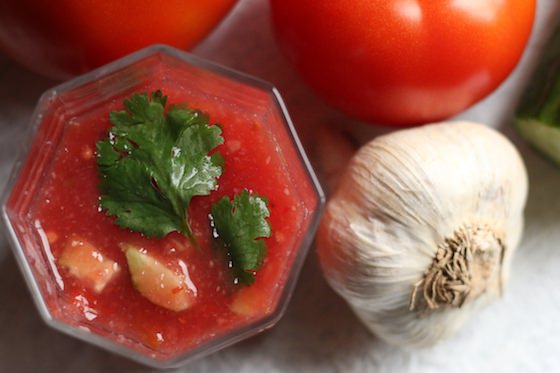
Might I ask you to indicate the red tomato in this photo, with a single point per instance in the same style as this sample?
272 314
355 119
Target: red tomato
67 37
403 61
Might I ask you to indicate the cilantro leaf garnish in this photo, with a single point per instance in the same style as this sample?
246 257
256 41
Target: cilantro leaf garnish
239 224
153 163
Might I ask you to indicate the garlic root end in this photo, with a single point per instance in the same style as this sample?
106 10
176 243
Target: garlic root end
465 265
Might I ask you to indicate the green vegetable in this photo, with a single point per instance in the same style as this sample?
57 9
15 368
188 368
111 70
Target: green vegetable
152 164
239 224
538 115
156 282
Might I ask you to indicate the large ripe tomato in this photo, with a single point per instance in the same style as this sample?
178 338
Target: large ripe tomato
403 61
66 37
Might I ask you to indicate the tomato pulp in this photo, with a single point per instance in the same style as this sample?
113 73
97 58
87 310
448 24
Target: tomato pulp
62 208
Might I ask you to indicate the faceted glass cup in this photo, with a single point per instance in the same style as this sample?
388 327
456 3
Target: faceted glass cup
83 103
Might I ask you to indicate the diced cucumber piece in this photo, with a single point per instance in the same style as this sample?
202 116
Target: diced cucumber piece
250 301
157 282
86 263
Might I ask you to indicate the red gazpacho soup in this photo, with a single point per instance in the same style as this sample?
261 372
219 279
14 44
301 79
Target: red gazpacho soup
158 290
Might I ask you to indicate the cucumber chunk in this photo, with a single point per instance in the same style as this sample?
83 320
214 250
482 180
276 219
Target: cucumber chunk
157 282
85 262
250 302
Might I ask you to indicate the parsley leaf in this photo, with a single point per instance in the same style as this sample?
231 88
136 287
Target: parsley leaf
152 164
239 224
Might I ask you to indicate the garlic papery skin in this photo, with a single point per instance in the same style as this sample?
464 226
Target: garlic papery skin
422 227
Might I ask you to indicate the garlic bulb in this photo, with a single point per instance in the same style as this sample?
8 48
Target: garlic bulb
422 228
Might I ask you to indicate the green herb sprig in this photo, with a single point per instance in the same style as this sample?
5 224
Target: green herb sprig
152 164
239 224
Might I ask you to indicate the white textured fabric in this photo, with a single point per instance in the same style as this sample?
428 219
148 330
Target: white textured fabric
519 333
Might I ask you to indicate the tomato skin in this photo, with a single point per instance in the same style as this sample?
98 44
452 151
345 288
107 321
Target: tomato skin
403 61
67 37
